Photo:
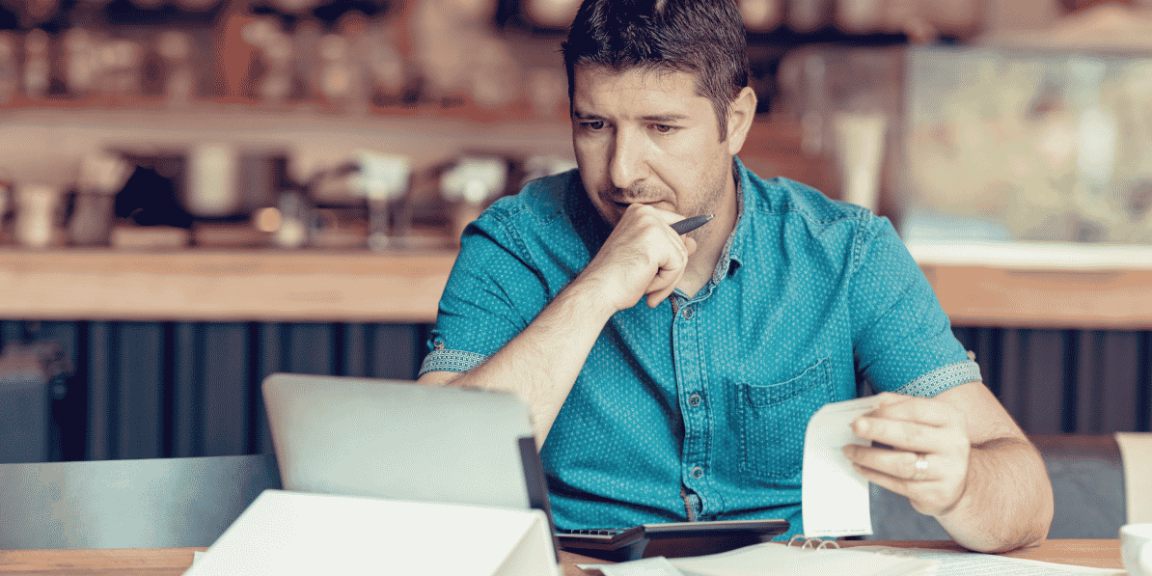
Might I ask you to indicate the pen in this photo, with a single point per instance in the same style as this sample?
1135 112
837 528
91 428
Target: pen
689 224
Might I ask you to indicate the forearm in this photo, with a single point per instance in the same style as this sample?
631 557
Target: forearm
642 256
1007 500
542 362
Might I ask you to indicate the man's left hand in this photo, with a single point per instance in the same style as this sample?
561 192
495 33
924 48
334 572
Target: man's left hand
926 452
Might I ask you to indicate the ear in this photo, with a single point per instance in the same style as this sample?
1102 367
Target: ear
740 116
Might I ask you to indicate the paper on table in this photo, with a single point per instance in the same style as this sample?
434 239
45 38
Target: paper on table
955 563
772 558
776 559
196 556
658 566
295 533
834 495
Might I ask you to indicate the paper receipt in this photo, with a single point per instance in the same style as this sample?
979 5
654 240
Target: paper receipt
834 495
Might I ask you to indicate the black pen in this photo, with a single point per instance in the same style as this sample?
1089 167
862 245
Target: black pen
689 224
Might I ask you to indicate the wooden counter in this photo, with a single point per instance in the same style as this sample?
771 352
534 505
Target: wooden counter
211 285
1089 290
1042 285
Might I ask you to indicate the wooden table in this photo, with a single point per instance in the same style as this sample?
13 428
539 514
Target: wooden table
174 561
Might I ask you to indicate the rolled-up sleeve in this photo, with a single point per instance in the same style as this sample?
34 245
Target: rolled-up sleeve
492 294
902 338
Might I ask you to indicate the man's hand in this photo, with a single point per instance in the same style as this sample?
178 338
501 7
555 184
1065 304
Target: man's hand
923 429
980 477
643 255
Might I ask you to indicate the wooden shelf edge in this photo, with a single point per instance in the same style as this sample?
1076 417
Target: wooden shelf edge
224 286
404 286
1117 299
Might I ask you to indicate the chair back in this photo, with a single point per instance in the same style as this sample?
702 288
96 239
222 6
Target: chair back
147 503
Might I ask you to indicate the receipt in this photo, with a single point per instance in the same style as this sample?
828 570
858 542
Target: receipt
835 495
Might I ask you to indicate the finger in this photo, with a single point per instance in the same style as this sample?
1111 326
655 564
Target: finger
656 298
690 245
886 398
671 269
896 463
665 216
663 285
914 409
931 498
901 434
892 483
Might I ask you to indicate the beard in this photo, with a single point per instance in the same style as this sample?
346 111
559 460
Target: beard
706 201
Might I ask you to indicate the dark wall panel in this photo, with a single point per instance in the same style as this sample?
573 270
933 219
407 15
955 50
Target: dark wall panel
193 389
1065 381
179 389
102 349
185 401
139 387
226 386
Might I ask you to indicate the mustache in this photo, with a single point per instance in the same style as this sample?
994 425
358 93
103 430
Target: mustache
639 192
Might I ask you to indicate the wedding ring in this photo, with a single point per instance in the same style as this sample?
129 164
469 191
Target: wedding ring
921 468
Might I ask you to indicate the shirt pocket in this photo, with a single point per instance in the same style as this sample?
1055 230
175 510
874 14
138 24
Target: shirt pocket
773 419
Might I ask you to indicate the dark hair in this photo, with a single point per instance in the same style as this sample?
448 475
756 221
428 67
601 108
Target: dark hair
702 37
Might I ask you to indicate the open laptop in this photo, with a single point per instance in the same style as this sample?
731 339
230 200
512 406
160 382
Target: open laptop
393 439
396 439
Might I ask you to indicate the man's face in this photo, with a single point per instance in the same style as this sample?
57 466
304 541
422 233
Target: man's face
645 136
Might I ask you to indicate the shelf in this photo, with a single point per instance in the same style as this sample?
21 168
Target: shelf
1041 285
404 286
224 286
45 145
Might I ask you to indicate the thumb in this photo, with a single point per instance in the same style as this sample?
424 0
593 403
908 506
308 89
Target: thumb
690 244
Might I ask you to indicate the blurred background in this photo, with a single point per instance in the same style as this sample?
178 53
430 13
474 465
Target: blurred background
197 193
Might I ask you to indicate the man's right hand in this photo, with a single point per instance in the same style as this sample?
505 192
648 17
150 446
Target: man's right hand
643 255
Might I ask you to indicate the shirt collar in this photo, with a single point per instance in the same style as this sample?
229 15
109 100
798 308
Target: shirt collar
732 255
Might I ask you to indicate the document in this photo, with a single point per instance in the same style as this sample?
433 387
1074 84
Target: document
776 559
955 563
773 558
299 534
834 495
658 566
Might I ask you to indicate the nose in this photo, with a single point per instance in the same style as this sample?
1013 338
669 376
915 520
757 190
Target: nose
628 164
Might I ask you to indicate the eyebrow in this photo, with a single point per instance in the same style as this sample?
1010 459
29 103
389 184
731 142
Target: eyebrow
584 115
658 118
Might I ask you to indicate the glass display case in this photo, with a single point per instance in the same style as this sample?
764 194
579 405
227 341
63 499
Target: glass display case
1015 145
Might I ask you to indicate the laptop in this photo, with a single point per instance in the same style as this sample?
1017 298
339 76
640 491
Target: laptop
400 440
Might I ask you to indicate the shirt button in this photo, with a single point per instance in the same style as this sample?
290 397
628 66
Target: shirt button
694 400
697 472
689 312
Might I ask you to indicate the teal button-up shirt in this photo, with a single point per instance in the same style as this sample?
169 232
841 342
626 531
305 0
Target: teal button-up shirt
697 409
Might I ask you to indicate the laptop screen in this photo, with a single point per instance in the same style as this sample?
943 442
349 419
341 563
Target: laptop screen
399 440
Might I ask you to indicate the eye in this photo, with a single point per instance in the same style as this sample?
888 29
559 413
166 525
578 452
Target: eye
593 125
663 128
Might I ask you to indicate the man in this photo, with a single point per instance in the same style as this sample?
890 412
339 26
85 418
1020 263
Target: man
692 405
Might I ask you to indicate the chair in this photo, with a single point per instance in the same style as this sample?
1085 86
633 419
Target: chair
148 503
31 375
1087 476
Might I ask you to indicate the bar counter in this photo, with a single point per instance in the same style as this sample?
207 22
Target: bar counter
1084 290
223 285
